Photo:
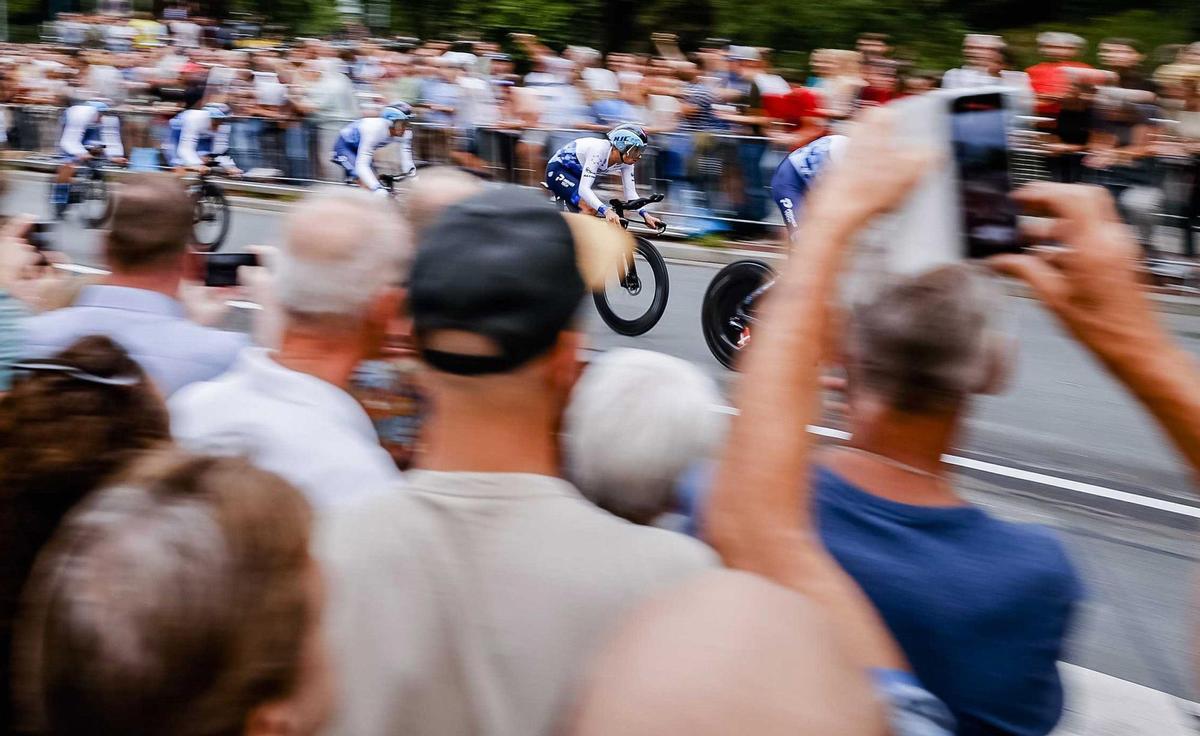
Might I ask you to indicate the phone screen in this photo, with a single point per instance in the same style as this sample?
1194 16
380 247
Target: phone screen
979 128
221 269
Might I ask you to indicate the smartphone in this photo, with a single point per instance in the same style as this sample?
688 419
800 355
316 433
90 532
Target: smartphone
962 207
979 127
221 269
38 236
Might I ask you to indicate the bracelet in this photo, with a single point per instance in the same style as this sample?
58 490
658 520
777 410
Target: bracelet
601 210
642 212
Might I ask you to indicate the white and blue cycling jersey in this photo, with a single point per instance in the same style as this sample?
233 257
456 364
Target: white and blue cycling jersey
797 172
84 126
193 138
357 143
573 169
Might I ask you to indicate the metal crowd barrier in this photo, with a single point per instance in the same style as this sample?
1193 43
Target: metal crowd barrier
714 182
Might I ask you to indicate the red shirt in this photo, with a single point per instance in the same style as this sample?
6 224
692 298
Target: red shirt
1049 79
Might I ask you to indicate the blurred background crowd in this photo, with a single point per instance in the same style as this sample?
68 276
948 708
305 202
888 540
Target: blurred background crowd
721 115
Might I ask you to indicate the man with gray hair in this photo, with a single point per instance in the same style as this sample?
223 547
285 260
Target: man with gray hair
980 606
338 286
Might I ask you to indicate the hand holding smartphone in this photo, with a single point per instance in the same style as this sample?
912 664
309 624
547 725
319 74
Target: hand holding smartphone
221 269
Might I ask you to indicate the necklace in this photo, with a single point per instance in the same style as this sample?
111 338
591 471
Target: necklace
893 462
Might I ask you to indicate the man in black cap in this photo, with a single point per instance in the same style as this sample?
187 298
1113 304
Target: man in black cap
470 600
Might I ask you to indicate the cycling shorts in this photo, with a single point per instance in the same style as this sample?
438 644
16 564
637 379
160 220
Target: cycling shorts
788 190
345 155
564 183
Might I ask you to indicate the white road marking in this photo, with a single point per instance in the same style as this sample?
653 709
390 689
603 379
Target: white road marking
1029 476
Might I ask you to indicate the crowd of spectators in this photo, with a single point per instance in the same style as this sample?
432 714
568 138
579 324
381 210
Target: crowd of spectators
207 536
721 117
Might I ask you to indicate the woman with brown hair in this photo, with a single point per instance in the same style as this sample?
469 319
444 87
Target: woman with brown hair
68 423
178 600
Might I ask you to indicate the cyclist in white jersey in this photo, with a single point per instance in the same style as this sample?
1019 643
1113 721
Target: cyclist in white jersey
573 169
357 143
197 134
84 126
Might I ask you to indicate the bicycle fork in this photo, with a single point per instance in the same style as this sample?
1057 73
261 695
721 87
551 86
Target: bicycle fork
628 277
742 317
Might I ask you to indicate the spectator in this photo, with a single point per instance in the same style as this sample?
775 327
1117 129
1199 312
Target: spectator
289 410
1123 57
416 577
1119 155
336 106
17 257
760 517
1073 127
754 83
68 424
915 354
883 83
844 82
138 305
988 64
873 47
637 420
180 600
1049 79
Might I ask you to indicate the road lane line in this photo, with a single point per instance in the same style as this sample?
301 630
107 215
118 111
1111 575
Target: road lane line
1029 476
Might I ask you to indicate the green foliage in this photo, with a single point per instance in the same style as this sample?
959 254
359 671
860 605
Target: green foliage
574 21
1150 28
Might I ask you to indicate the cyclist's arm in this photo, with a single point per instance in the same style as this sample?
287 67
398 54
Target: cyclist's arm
406 155
627 184
591 167
72 137
110 135
220 147
369 140
189 136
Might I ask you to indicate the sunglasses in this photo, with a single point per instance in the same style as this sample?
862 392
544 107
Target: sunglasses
74 372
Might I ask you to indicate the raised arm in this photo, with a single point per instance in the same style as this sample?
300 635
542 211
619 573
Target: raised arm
758 517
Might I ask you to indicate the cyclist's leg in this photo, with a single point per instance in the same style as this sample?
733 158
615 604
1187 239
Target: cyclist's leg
60 190
344 156
564 184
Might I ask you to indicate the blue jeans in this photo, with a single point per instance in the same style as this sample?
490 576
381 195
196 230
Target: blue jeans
754 204
246 142
296 141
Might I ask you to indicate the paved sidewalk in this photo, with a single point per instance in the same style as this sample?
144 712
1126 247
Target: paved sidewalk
1101 705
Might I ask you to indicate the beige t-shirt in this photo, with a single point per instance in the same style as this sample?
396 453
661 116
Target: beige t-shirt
470 603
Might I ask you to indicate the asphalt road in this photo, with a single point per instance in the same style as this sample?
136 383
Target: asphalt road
1062 417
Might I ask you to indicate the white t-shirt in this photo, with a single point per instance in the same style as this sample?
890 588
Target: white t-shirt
312 433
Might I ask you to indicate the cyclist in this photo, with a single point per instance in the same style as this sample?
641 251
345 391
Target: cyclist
799 170
573 168
199 134
84 126
357 143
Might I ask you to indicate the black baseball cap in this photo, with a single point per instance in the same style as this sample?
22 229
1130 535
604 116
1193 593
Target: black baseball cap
509 266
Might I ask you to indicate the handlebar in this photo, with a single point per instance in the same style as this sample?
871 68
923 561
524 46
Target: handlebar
620 207
389 181
634 204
